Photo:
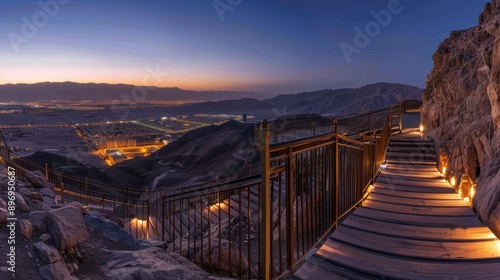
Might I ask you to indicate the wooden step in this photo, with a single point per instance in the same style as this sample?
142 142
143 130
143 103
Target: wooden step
463 211
417 201
411 162
403 155
373 264
420 233
418 220
418 249
409 194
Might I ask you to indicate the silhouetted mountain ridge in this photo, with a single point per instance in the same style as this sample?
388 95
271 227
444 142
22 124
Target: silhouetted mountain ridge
344 101
71 91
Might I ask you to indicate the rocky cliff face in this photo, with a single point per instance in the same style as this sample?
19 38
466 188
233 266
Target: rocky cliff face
461 111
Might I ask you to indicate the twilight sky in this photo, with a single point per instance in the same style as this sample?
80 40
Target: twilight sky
271 46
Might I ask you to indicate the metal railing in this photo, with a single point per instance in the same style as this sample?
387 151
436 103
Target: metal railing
259 226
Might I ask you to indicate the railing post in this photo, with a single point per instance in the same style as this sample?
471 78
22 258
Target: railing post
401 113
163 217
265 207
148 205
336 176
46 171
369 121
87 190
62 192
290 236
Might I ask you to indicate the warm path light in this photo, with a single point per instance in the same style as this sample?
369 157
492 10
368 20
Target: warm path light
453 182
444 170
472 193
421 127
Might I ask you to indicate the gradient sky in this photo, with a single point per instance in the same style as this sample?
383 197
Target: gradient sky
271 46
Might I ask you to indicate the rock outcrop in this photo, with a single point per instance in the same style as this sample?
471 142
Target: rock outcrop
461 111
67 227
150 264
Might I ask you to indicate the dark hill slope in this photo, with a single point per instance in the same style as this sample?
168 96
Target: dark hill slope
200 156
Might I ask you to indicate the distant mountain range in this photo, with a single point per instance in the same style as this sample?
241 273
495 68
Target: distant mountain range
327 102
75 92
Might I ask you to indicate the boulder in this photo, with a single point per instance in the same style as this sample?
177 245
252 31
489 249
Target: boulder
44 237
37 205
48 192
21 205
25 228
37 180
48 202
56 271
96 223
47 253
67 227
39 220
151 263
26 193
229 259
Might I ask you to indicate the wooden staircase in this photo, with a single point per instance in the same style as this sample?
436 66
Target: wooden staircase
412 226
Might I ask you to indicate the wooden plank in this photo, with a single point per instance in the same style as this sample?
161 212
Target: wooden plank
419 249
378 265
416 181
394 186
413 175
419 233
417 201
316 268
411 143
412 149
463 211
406 194
420 168
412 162
418 220
400 154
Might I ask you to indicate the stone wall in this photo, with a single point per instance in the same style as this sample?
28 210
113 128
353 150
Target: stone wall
461 112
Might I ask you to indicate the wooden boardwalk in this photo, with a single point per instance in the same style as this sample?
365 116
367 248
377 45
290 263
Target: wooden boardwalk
412 226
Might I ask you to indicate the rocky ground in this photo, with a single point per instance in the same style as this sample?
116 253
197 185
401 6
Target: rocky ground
57 240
